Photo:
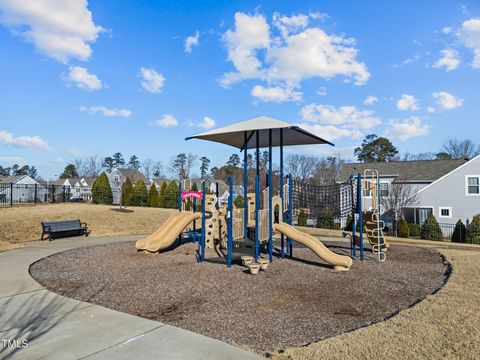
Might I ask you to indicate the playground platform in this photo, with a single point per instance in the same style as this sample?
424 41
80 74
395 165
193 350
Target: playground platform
57 327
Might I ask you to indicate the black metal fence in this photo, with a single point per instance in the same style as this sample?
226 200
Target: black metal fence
17 194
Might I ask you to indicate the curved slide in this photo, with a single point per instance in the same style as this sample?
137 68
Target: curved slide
167 233
339 262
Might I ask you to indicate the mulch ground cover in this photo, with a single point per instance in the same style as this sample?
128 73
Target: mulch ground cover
292 303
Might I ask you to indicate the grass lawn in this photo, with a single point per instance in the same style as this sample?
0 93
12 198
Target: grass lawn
20 224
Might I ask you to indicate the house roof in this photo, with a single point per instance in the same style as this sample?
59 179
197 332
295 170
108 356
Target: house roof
415 171
11 179
233 134
133 175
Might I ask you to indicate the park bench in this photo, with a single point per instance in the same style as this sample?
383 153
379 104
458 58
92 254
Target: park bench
56 229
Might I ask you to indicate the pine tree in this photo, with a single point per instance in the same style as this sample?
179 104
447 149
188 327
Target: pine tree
171 195
161 198
101 191
473 235
238 202
139 194
153 198
459 232
302 218
403 230
431 230
127 190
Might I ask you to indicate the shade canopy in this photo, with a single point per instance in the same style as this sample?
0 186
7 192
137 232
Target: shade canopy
233 135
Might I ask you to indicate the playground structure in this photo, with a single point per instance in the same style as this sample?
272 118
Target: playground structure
249 230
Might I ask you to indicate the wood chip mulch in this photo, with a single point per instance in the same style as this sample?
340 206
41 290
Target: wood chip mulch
292 303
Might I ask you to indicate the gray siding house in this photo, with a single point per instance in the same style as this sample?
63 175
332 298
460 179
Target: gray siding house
117 177
448 189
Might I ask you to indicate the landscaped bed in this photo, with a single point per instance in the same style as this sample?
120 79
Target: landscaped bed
292 303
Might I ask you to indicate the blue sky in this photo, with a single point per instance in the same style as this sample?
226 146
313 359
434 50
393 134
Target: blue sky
85 78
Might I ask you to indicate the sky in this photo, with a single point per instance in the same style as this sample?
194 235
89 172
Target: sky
82 78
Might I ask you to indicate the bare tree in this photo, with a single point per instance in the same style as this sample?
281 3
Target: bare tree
147 167
401 195
89 167
327 170
182 164
461 149
301 166
157 169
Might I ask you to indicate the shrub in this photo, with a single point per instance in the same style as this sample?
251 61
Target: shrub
238 202
459 232
415 230
431 229
127 190
171 196
101 191
153 198
302 218
403 230
161 196
473 233
139 194
325 219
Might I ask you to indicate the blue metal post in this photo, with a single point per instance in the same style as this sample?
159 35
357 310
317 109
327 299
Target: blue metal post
203 220
257 205
290 212
180 207
230 222
257 138
379 193
360 214
270 195
282 206
245 185
354 220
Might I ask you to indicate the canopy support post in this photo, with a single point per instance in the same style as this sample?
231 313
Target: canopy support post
245 186
282 209
270 194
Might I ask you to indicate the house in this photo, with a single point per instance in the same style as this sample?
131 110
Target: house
116 178
19 189
80 187
448 189
158 182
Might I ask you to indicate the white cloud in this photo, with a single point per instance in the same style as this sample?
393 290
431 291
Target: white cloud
152 81
407 102
207 123
25 142
447 101
450 60
92 110
82 78
60 29
78 153
276 93
191 41
469 35
447 30
322 91
346 116
330 132
57 160
370 100
167 121
410 128
11 160
297 53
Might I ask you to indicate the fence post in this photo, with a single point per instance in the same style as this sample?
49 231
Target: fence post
11 194
53 193
35 195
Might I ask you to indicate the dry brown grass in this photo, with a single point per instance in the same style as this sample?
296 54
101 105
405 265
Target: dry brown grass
445 325
20 224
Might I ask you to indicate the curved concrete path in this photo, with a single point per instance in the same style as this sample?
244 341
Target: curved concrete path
56 327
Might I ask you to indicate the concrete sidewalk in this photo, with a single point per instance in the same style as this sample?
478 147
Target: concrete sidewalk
57 327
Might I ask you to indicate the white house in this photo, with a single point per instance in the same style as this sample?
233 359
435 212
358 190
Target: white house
19 189
448 189
80 187
117 177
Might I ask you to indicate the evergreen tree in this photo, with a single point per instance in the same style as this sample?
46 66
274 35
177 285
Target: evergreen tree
375 149
139 194
204 164
473 234
101 191
238 202
431 229
459 233
153 198
108 163
127 191
70 171
134 162
171 196
161 197
117 160
325 219
302 218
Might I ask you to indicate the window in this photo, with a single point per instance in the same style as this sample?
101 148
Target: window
384 186
473 185
367 193
445 212
116 179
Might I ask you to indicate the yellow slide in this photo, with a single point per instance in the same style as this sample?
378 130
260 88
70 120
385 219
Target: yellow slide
339 262
168 232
